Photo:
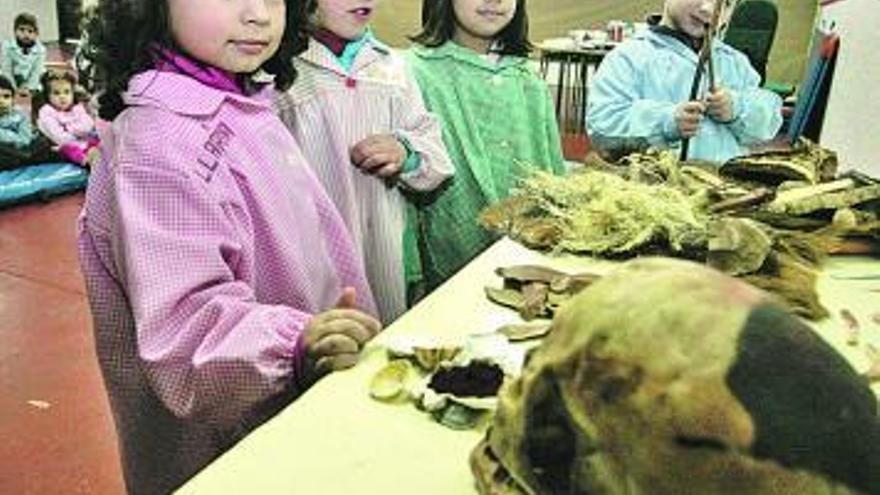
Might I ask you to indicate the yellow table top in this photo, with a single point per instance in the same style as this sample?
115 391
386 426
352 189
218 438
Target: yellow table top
335 439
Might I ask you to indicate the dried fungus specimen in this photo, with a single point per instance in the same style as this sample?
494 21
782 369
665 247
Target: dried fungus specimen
600 213
737 246
805 161
536 291
649 385
477 379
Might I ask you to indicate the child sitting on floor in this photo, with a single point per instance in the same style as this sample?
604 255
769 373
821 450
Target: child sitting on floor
18 145
24 58
66 122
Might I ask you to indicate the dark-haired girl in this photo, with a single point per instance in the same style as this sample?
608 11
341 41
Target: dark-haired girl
499 122
357 113
221 278
65 121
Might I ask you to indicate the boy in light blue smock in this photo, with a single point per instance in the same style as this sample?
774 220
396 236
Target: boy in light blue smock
24 58
639 96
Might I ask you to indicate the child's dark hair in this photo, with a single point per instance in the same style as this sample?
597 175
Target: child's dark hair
53 75
25 19
439 22
123 36
6 83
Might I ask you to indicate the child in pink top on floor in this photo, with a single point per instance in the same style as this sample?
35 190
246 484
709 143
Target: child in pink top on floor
66 122
221 278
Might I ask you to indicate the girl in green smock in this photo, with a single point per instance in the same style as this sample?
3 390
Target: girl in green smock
498 119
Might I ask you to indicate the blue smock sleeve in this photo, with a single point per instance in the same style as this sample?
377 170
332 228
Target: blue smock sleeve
618 113
757 111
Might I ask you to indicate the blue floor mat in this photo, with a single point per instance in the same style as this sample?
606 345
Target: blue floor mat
40 182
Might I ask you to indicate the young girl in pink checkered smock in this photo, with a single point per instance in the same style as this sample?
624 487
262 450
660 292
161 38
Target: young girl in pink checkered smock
65 121
221 278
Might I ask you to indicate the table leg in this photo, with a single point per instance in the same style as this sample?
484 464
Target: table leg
582 109
560 88
573 87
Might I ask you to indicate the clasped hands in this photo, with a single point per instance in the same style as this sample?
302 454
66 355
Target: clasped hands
718 106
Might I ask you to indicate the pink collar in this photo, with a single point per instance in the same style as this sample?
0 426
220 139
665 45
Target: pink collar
172 61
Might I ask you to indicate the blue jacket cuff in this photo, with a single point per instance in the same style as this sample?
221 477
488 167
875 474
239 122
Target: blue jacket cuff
413 160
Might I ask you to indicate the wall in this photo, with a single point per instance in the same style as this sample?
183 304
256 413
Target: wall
395 19
553 18
43 9
851 124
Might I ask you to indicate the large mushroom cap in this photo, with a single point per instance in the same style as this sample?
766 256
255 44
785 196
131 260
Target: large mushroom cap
668 377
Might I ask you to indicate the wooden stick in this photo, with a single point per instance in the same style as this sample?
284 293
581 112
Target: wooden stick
704 58
710 35
756 197
695 88
712 86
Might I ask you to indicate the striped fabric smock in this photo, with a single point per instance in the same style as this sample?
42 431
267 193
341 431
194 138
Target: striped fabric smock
330 109
207 245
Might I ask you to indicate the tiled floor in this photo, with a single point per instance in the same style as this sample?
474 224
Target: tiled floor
55 424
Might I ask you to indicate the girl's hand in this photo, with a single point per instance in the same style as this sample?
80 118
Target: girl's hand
334 338
719 105
379 154
688 116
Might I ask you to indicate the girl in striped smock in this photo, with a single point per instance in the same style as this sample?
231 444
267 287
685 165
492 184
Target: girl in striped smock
498 120
360 120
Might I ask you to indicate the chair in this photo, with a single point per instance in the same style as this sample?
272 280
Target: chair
812 98
751 30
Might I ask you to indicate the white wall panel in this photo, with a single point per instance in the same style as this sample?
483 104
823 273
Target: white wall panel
852 125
